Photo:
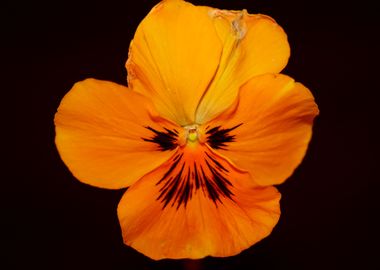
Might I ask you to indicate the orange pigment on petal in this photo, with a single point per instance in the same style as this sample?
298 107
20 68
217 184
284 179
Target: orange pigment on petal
204 129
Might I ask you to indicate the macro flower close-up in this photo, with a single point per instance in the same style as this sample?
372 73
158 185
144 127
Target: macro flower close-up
204 130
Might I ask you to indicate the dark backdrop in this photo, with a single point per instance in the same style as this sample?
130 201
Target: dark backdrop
53 221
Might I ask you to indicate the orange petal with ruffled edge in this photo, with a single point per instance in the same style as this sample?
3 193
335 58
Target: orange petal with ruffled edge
173 58
108 135
268 128
196 205
253 44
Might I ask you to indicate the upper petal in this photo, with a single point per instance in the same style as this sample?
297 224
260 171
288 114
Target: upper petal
173 58
252 45
196 205
267 130
105 134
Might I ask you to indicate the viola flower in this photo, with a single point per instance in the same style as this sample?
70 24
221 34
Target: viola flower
204 130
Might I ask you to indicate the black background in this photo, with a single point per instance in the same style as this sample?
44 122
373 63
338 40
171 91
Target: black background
53 221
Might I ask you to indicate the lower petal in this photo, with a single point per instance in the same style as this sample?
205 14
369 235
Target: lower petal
189 222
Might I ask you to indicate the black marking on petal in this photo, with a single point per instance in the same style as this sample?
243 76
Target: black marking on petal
166 140
221 182
176 159
217 164
170 190
196 176
182 180
218 137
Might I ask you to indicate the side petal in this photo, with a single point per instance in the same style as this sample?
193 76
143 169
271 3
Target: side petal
267 131
252 45
173 58
105 134
196 222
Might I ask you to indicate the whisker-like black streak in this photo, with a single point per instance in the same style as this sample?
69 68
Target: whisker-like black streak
217 164
178 187
218 137
166 140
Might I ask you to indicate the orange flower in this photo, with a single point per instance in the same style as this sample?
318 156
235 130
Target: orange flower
204 130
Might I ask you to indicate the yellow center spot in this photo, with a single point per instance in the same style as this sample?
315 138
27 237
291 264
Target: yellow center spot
191 133
193 136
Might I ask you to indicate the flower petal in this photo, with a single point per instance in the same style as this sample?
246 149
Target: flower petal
267 130
253 45
166 216
173 58
105 134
